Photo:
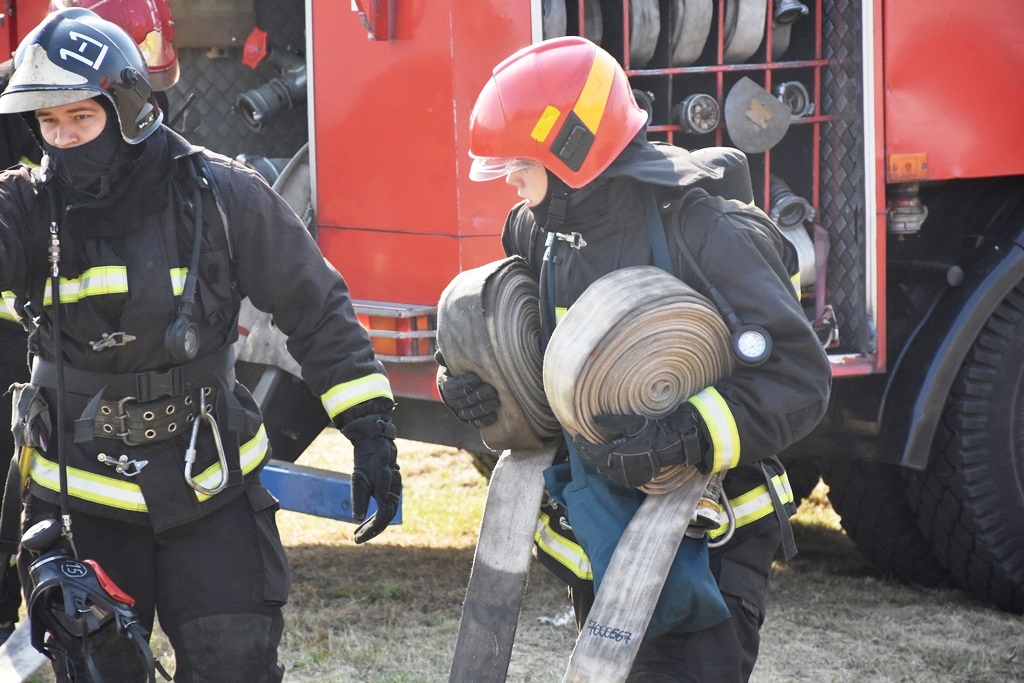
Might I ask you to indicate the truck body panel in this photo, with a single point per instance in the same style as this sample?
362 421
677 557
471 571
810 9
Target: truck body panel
392 120
950 75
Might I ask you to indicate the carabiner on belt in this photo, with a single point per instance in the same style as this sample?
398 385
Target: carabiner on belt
190 453
730 516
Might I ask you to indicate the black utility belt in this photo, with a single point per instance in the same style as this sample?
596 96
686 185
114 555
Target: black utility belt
144 386
136 422
151 405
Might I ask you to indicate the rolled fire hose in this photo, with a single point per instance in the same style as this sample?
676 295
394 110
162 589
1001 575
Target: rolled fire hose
488 322
792 213
644 28
744 29
553 18
638 341
691 26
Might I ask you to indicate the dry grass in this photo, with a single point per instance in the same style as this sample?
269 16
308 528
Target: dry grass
388 611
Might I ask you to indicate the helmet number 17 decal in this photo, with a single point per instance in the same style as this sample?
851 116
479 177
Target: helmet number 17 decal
84 43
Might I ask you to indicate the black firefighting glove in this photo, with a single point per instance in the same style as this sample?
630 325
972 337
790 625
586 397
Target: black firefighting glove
375 473
470 398
640 447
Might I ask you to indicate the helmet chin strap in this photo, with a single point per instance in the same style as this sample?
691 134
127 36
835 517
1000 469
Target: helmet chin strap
558 203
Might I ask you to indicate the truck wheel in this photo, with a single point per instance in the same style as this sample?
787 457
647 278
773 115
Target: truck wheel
871 500
803 476
484 461
970 500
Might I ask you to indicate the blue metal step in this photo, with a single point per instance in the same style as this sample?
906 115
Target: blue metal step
314 491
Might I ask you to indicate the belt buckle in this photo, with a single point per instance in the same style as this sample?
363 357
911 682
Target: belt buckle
122 419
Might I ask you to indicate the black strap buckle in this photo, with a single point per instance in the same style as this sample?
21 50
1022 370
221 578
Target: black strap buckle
152 385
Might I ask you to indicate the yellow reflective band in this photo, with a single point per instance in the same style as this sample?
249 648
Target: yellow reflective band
105 280
341 397
725 436
28 162
560 312
178 276
115 493
795 280
594 97
124 495
562 550
757 503
93 282
7 311
545 123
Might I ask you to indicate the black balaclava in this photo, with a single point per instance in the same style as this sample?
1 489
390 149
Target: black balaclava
111 184
573 198
92 169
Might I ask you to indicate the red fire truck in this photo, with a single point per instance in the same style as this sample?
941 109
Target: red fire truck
882 135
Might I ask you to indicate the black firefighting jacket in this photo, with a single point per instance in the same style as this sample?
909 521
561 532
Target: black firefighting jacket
755 412
122 273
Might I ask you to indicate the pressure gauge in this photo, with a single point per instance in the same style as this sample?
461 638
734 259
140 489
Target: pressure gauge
751 345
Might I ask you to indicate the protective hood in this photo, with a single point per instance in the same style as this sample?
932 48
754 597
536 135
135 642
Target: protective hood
719 170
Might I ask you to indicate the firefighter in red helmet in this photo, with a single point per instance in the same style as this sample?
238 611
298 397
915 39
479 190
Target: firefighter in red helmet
129 250
559 122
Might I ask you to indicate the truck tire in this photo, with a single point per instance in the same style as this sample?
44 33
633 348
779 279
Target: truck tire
484 462
803 476
970 500
871 500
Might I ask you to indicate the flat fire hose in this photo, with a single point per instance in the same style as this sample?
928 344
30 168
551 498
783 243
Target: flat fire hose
637 341
664 342
488 322
609 641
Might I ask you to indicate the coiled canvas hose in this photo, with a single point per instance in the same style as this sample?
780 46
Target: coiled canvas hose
638 341
488 322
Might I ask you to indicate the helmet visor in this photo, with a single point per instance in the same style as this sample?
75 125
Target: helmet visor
492 168
14 101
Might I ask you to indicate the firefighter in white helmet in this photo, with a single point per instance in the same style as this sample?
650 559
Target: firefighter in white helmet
19 146
130 250
558 121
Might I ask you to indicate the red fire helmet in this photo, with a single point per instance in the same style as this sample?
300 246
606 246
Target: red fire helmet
151 26
564 103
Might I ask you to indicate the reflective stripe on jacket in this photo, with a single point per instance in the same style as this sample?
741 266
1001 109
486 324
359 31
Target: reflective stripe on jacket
749 507
125 272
